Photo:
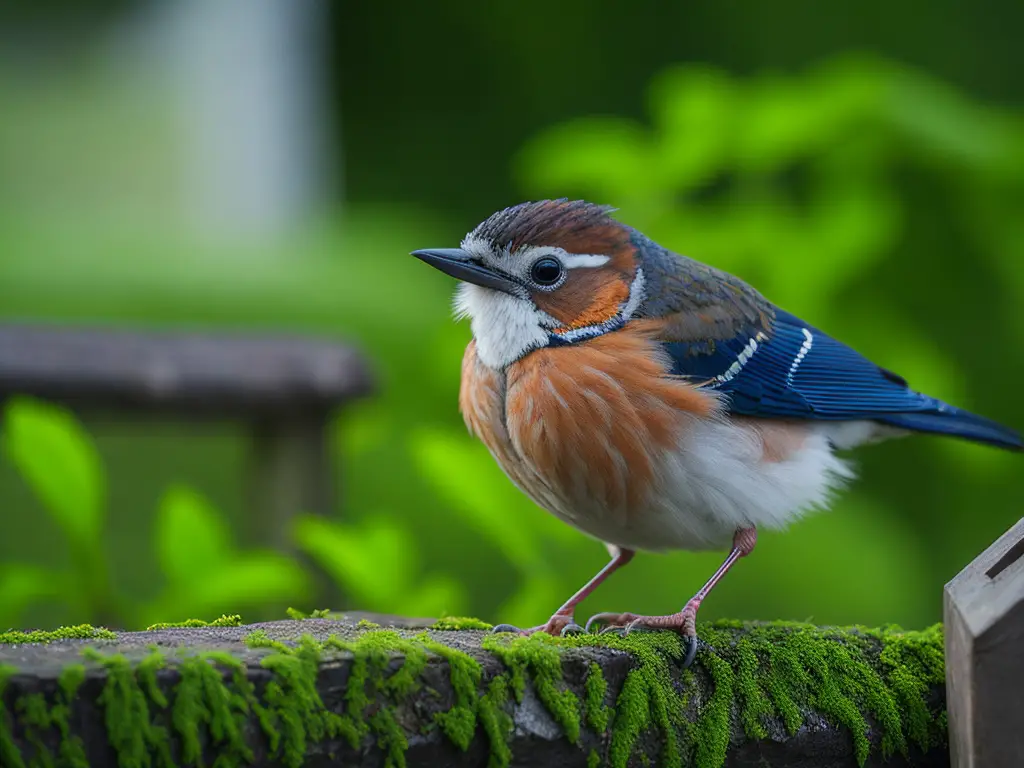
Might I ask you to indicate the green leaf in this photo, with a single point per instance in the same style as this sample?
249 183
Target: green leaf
192 538
375 561
467 477
437 595
235 585
22 585
56 457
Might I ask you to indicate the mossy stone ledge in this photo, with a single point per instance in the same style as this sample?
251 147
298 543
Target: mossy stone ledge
387 691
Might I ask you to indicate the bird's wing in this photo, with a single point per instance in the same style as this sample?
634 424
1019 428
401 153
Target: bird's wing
768 363
789 369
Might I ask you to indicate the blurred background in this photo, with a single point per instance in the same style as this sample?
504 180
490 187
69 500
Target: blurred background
267 166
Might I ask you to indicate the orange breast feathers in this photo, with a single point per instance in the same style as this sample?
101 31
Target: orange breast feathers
589 423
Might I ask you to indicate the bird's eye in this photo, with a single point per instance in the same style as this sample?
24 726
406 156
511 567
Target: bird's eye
546 271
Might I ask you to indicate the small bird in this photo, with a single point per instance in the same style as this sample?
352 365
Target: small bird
656 403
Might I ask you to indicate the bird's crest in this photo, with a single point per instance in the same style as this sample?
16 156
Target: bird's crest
577 226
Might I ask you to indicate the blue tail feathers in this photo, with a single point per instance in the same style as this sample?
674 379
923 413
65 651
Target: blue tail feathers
954 422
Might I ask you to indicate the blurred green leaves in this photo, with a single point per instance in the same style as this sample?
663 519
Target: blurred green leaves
786 180
57 459
881 204
203 571
377 563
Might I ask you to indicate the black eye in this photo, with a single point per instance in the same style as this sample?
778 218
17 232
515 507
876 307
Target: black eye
546 271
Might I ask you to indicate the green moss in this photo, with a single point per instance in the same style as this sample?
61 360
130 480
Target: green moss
259 638
233 620
596 689
496 722
77 632
451 623
538 657
647 698
459 722
9 753
321 613
755 675
850 675
205 704
292 698
367 624
38 718
72 752
138 741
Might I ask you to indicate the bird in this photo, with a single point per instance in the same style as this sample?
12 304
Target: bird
657 403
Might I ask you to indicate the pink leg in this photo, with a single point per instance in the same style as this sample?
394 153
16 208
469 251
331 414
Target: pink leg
685 621
563 618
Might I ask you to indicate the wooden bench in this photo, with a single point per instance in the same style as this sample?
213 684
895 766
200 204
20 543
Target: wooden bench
284 389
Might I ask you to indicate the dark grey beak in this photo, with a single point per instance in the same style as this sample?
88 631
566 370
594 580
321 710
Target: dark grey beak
462 266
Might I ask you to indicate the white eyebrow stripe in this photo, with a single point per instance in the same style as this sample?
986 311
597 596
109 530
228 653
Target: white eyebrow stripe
574 260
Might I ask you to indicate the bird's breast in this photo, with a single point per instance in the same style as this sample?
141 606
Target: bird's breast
583 429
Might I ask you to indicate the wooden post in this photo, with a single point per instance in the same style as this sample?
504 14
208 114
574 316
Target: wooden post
984 622
289 473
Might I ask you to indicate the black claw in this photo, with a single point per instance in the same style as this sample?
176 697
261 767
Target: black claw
497 628
691 651
572 629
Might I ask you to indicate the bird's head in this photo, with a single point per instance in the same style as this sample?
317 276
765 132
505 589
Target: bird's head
543 273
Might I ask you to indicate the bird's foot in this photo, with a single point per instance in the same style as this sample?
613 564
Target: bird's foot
558 625
684 622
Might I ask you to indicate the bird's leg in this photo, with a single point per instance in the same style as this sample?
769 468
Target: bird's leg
563 620
685 622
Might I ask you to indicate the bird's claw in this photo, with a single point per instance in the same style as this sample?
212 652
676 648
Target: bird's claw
609 622
501 628
691 650
623 624
559 624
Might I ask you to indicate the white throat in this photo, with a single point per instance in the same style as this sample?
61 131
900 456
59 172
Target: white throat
505 327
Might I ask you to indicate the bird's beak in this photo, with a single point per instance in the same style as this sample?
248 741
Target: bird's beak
460 265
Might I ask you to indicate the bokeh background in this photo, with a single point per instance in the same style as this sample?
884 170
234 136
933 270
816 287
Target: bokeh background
268 165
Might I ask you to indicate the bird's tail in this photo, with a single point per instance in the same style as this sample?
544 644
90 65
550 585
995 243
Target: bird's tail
955 422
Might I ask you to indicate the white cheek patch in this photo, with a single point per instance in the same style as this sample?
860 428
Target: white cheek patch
505 327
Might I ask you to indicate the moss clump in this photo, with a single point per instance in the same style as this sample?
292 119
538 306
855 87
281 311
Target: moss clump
367 624
37 717
130 725
233 620
538 658
297 615
647 698
596 689
452 623
849 675
760 676
77 632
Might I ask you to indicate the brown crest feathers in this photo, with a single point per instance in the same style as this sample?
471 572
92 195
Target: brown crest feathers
577 225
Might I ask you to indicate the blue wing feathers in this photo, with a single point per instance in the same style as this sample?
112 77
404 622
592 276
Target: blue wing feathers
795 371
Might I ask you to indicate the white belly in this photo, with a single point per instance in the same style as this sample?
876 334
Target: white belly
718 480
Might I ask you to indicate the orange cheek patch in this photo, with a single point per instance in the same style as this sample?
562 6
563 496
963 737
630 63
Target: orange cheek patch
587 301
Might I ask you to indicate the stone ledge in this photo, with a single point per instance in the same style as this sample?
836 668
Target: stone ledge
325 691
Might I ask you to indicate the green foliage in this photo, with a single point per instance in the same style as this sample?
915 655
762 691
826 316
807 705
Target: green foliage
377 563
880 204
203 571
59 462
